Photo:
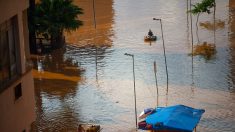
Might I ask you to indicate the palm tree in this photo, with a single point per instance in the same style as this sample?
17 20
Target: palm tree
31 25
53 17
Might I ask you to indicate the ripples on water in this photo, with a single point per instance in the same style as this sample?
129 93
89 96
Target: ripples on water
91 81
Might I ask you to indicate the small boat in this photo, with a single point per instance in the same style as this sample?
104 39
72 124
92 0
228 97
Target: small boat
150 38
146 112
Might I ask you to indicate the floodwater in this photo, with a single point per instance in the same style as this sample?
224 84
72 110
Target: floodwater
91 80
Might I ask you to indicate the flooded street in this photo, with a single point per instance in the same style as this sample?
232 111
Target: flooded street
91 80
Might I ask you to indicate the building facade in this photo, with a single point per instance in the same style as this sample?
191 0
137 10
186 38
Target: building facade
17 103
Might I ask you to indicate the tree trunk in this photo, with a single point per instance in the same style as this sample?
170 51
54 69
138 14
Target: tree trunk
197 28
214 20
57 41
191 22
31 25
190 8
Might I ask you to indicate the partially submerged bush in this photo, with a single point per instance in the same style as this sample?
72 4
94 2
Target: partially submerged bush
205 50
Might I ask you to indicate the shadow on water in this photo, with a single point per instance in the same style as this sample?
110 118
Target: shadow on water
56 80
54 112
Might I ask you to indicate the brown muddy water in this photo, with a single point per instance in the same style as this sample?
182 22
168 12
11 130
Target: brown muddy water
91 80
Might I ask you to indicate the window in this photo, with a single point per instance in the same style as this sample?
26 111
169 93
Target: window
18 91
8 53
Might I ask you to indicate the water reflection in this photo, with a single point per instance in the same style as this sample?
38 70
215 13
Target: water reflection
56 80
56 63
87 35
219 24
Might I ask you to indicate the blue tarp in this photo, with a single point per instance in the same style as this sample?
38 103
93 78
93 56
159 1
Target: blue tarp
178 117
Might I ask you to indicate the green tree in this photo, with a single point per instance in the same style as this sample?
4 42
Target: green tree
53 17
202 7
31 26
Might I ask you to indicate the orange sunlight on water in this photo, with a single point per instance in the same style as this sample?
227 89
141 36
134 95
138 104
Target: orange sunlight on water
51 75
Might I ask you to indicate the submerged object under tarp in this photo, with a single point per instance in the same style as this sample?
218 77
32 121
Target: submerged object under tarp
179 118
85 127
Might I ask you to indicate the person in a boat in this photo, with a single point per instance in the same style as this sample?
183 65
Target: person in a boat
150 33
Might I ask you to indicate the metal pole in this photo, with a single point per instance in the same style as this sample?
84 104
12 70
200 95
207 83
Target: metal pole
96 64
134 86
134 90
214 20
187 10
94 14
164 53
190 8
155 72
94 17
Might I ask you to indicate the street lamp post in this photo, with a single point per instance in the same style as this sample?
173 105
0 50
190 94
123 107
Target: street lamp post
94 17
134 85
164 52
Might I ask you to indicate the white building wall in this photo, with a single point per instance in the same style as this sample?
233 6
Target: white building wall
17 115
